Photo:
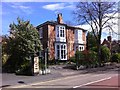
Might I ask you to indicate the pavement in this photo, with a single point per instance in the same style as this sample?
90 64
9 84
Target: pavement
57 72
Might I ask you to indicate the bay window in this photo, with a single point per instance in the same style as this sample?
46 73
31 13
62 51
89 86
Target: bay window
61 51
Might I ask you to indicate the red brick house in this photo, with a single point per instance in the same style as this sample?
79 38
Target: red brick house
107 42
113 45
61 39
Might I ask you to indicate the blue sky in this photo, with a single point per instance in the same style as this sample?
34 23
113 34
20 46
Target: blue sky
36 12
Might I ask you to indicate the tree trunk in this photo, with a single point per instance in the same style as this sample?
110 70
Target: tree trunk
99 54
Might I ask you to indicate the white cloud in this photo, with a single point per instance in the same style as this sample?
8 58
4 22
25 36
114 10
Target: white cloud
59 6
20 8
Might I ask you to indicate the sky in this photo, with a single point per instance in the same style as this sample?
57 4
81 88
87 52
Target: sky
37 13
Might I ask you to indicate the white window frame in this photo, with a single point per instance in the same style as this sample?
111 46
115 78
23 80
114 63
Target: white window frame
60 33
64 50
80 47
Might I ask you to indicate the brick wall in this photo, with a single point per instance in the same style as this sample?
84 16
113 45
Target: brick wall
51 36
70 42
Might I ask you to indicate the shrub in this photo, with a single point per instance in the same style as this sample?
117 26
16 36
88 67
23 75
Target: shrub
92 58
94 49
105 54
72 59
79 58
116 57
87 58
25 69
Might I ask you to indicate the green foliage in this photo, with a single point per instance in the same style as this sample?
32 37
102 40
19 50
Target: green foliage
25 69
105 54
92 57
94 49
4 49
87 59
116 57
91 41
72 59
21 44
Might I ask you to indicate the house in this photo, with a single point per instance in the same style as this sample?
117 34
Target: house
113 45
61 39
107 42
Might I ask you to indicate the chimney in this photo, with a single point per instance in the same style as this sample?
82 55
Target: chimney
109 38
59 18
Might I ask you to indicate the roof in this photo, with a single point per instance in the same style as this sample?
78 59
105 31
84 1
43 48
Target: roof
56 23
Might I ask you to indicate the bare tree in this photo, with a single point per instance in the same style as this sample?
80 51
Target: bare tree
97 15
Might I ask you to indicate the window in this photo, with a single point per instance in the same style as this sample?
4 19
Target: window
41 32
81 48
60 31
57 31
80 34
61 51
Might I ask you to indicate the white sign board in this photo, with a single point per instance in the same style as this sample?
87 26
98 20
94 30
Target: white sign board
36 65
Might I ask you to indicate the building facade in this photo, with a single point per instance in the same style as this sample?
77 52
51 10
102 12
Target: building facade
61 39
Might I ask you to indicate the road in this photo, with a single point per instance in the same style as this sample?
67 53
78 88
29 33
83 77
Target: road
107 79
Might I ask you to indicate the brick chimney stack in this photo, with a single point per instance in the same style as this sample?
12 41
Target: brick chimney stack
109 38
59 18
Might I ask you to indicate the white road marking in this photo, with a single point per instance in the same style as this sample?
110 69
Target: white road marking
92 82
61 78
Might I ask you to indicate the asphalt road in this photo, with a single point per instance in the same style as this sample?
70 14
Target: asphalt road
75 81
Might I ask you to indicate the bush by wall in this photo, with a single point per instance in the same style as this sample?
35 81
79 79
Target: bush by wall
116 57
87 58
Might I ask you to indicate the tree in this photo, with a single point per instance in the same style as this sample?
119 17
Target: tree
23 42
97 15
91 41
4 49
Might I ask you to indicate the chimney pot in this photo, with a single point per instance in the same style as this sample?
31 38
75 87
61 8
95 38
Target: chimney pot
109 38
59 18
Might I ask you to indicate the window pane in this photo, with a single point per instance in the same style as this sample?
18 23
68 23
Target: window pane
64 54
61 54
60 33
63 33
57 28
61 47
64 46
80 48
58 47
